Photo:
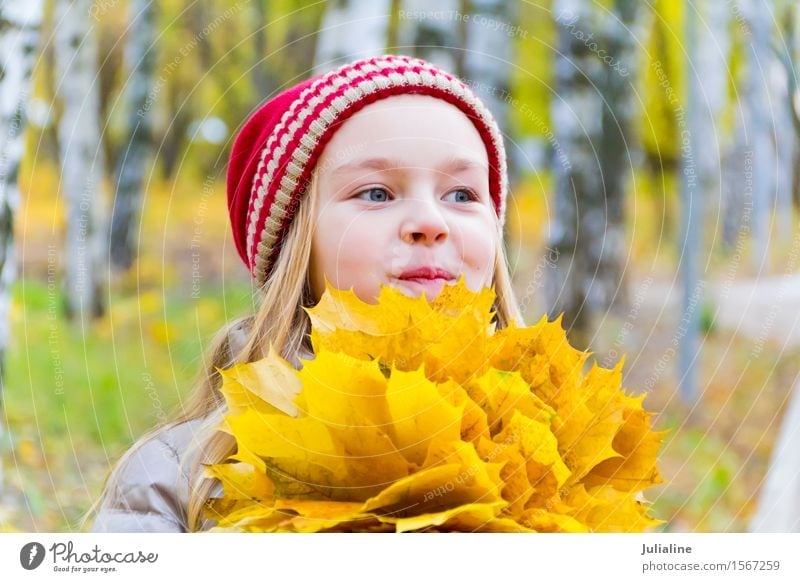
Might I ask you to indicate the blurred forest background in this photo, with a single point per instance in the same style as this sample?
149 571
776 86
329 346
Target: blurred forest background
652 147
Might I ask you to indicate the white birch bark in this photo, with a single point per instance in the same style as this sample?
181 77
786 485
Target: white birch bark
592 114
431 32
488 52
759 138
785 144
488 58
20 22
701 186
81 159
140 54
351 30
711 67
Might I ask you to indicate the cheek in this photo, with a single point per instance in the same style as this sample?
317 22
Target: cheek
355 253
347 252
479 247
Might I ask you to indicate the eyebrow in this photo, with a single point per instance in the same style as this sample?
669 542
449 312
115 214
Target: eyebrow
454 165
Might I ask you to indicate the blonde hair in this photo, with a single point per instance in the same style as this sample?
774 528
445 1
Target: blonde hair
282 322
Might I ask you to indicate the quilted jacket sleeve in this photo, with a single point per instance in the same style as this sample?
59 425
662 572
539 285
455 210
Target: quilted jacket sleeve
149 490
144 492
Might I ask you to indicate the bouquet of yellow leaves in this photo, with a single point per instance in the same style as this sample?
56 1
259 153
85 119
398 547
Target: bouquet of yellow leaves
421 416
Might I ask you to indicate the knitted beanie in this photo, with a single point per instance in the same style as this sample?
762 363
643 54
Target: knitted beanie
277 148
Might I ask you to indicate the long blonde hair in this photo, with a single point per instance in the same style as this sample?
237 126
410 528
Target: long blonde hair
281 322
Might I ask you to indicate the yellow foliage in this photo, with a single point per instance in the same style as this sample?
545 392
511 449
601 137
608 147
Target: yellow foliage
418 416
664 79
160 332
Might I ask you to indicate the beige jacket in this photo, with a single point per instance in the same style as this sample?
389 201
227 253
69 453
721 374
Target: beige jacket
150 492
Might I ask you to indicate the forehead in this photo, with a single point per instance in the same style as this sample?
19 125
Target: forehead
413 129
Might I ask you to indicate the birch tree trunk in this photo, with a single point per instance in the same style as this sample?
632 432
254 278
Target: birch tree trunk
592 117
20 22
351 29
619 153
140 56
758 127
81 159
701 187
488 58
785 142
436 39
709 68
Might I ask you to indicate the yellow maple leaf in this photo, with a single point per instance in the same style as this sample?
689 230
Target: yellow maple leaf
242 480
420 416
608 509
267 384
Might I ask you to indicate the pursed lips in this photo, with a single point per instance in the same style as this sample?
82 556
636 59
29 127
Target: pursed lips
426 273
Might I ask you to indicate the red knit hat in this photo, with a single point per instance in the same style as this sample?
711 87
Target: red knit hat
278 146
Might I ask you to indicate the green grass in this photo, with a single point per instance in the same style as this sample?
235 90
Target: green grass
112 380
75 399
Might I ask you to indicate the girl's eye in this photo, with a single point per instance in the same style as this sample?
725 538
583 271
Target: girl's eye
374 195
463 195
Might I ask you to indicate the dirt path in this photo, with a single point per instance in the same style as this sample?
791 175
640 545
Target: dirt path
765 309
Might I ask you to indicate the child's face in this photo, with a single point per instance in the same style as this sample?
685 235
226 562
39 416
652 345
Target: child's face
404 201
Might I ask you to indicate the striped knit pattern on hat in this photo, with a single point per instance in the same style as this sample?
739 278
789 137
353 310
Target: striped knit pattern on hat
277 148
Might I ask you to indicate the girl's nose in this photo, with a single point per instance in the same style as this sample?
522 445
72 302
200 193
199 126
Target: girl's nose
424 223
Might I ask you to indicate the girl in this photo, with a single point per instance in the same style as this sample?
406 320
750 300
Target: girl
386 171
